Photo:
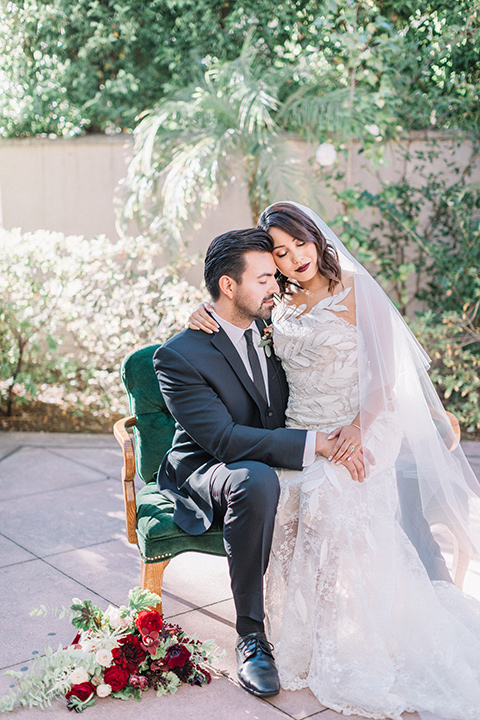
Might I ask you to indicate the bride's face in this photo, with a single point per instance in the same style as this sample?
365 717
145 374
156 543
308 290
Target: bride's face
295 259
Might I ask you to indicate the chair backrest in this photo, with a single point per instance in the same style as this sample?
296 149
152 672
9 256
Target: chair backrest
155 426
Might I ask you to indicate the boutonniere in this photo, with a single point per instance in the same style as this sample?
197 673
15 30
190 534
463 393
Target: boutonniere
267 340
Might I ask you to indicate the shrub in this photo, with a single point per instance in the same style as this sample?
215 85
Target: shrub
423 246
71 309
452 345
75 65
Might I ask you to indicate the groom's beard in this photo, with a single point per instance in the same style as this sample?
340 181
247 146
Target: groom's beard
246 309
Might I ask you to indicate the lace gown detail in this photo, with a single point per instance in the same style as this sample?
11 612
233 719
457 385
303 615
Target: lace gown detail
350 608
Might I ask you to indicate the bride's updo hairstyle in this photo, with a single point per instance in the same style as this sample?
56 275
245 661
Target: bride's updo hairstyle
296 223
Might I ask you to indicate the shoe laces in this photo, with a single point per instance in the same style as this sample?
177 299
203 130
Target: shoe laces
252 643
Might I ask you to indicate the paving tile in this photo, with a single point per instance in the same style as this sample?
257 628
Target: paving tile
471 448
208 626
7 446
225 610
221 700
472 451
30 585
198 578
45 439
298 704
58 521
106 460
331 715
11 553
112 568
32 470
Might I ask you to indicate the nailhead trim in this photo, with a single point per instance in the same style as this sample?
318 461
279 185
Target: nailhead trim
155 557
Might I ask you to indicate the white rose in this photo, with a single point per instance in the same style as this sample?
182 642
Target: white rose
104 657
114 617
104 690
87 646
373 129
79 675
325 154
110 643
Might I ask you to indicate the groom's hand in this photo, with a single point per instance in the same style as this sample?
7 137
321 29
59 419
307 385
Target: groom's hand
355 464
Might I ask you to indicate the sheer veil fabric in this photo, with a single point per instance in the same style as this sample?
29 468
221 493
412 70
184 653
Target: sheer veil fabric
396 380
435 488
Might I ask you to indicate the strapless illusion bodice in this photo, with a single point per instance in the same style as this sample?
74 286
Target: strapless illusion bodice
319 353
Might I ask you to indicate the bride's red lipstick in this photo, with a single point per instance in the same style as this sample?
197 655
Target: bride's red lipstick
302 268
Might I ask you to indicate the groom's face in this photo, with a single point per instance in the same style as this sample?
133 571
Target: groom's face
253 295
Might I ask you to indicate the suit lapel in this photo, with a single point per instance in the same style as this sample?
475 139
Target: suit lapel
277 388
222 342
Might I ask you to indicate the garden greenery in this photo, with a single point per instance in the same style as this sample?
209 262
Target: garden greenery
221 88
71 309
70 66
424 248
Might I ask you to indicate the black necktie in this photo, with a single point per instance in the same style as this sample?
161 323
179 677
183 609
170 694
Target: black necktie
255 365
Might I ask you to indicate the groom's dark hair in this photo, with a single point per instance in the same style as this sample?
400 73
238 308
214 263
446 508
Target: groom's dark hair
226 256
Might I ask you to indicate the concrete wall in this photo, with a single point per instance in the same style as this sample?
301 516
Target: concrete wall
69 185
64 185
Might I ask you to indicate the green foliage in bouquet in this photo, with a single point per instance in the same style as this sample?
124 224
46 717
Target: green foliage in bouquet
119 653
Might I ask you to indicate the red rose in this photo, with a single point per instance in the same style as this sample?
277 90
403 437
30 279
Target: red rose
82 691
116 677
176 656
129 654
149 621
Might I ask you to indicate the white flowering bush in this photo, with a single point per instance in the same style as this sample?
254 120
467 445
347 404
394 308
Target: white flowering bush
72 308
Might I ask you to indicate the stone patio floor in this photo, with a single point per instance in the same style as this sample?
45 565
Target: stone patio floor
62 535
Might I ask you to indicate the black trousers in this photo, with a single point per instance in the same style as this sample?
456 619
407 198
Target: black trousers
245 497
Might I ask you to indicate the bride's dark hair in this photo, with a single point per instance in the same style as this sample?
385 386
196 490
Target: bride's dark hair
296 223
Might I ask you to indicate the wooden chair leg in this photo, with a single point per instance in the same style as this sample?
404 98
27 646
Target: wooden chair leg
152 576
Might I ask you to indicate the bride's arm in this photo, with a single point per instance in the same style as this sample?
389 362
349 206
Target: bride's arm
375 392
201 320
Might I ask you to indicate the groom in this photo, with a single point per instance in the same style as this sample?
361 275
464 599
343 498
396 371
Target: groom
229 399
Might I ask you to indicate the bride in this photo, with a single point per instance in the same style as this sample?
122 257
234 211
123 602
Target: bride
360 603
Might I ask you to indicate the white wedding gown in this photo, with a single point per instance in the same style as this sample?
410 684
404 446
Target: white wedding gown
350 608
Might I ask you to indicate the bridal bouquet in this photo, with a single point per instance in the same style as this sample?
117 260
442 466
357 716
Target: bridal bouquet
119 653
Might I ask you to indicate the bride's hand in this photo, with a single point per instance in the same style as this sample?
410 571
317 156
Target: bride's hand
355 465
348 443
201 320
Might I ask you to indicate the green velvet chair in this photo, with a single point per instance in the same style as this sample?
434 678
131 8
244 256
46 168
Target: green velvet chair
149 515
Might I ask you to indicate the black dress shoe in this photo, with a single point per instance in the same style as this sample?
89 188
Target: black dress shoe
256 667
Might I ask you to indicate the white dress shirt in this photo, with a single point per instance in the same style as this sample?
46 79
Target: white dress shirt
237 337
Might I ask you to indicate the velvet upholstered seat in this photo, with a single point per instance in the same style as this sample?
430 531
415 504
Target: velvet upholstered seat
149 515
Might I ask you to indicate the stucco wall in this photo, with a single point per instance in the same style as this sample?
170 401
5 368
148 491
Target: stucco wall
69 185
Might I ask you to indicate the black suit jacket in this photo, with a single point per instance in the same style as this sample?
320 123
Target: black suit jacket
220 417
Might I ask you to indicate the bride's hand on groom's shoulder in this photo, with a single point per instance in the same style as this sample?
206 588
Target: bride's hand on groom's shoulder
201 320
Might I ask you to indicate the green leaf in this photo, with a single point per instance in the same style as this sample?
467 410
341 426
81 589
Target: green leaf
139 599
89 615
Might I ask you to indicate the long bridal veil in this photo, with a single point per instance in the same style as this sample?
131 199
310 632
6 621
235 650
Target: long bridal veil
436 483
437 487
361 597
